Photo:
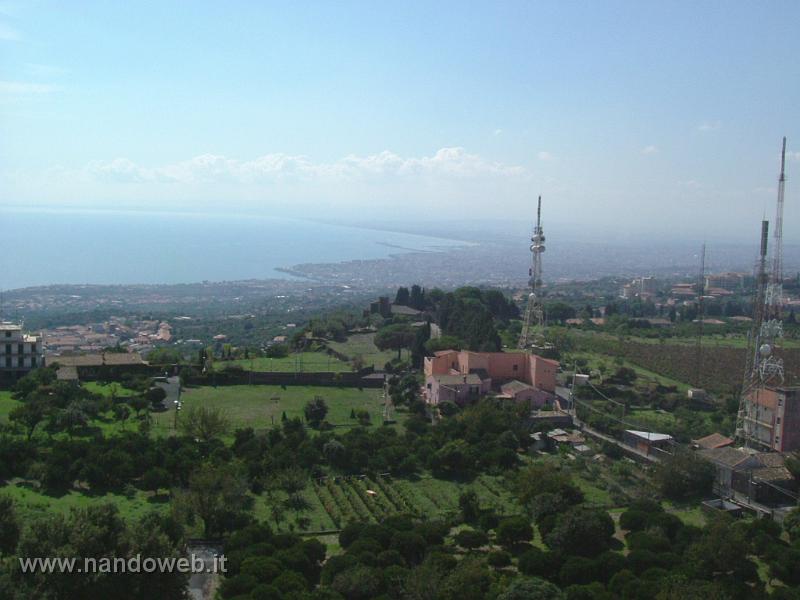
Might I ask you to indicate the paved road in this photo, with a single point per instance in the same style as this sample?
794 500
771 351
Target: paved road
202 586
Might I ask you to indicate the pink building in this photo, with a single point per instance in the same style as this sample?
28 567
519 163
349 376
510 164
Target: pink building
499 367
461 389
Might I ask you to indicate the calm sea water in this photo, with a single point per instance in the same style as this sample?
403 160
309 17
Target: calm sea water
40 248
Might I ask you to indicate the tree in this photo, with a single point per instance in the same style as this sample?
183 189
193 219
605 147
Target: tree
218 495
469 506
315 411
417 298
277 351
9 526
395 337
121 413
544 478
154 479
471 538
402 297
204 423
581 532
30 414
514 530
531 588
156 396
683 475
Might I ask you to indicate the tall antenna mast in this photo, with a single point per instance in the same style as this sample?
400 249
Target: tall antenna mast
533 325
764 368
701 285
775 290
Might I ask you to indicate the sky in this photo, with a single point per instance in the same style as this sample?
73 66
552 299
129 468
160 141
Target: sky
662 118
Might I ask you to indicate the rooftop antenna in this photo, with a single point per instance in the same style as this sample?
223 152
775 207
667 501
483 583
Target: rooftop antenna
533 325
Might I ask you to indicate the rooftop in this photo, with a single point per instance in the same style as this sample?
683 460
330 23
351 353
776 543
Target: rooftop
471 379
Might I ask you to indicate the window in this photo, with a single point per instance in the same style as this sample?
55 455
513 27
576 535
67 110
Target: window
8 334
20 348
20 362
8 361
515 368
33 361
33 348
8 348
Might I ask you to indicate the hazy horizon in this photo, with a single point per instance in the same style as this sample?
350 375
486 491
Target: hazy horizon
662 120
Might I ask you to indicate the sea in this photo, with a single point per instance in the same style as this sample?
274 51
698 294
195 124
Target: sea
44 247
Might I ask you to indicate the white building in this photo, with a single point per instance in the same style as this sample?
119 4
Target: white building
19 352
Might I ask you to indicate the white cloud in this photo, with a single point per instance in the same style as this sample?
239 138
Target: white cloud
8 34
544 155
210 168
793 156
706 126
498 132
649 150
22 87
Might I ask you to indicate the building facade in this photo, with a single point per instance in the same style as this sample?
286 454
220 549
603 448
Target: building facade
19 352
532 369
772 418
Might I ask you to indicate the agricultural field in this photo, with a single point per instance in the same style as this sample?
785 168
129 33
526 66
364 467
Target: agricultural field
298 362
262 406
363 345
332 502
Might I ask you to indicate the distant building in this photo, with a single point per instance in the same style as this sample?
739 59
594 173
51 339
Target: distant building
640 287
532 369
89 366
518 376
461 389
19 352
715 440
757 477
772 418
646 441
732 282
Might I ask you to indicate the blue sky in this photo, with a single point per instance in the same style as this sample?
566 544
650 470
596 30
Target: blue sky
636 114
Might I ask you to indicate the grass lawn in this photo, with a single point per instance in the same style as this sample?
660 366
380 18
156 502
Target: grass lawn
592 493
690 515
261 406
363 345
7 404
31 503
105 389
300 362
652 420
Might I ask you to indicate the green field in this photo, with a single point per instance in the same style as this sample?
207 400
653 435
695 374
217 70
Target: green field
7 404
262 406
31 503
363 345
106 389
299 362
333 502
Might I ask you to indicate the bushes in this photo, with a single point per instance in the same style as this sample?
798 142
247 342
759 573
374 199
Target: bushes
514 530
471 538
